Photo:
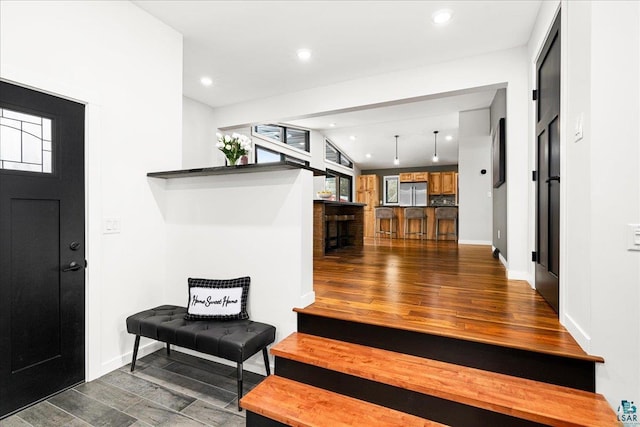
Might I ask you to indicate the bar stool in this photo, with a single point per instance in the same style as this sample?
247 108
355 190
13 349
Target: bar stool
414 213
447 213
382 214
328 238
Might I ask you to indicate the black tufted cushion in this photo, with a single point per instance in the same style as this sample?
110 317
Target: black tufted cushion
235 340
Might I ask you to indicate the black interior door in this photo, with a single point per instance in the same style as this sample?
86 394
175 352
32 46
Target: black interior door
548 182
42 253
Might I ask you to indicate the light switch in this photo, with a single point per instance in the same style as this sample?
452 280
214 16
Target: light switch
111 225
633 233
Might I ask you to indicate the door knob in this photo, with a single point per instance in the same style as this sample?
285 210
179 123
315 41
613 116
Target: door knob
73 266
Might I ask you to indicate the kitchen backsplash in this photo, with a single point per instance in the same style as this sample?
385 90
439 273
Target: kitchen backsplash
442 200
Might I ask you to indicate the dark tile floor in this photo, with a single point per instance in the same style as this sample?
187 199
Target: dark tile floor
180 390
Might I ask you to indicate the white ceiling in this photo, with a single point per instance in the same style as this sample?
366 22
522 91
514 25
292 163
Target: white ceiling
248 49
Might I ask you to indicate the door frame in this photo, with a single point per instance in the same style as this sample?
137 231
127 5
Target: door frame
562 315
93 205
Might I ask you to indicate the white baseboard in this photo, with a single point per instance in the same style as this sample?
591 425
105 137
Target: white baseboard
307 299
253 364
503 260
518 275
474 242
577 332
121 360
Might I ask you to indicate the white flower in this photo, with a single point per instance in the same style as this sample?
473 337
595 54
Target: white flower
218 135
227 147
219 144
227 138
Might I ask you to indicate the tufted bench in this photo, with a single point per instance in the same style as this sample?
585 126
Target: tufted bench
235 340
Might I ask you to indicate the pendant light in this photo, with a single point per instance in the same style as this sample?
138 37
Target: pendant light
396 161
435 147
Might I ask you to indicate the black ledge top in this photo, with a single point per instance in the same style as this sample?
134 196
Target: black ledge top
336 203
227 170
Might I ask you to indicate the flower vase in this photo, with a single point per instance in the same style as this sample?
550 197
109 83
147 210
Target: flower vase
232 161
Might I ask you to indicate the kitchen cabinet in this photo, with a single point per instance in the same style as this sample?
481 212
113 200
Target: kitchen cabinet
435 183
443 183
414 177
448 183
368 192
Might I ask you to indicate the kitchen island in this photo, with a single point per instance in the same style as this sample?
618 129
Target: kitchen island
337 224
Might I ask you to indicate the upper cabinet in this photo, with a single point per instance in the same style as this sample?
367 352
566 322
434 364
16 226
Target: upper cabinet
435 183
449 183
443 183
414 177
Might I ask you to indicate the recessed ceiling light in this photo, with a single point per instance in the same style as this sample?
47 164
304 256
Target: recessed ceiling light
206 81
368 155
442 16
352 137
304 54
448 137
332 125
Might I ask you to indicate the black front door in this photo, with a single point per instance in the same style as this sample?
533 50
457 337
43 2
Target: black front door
548 182
42 246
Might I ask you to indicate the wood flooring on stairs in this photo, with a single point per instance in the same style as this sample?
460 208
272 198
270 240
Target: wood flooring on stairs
421 379
439 288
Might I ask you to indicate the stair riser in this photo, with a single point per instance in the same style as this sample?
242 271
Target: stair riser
429 407
568 372
257 420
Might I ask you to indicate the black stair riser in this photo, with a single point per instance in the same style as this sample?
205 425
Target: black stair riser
563 371
257 420
411 402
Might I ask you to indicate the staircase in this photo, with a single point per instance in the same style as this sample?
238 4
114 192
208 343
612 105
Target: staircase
334 372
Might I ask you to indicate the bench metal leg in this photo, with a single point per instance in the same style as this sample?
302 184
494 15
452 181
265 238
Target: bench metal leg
239 368
265 355
168 350
135 352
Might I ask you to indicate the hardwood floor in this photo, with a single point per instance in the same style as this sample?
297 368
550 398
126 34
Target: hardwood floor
440 288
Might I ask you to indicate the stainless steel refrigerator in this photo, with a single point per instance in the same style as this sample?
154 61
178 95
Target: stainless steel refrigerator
413 194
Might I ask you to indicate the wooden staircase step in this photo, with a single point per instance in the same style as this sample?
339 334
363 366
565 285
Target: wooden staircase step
533 401
295 404
560 368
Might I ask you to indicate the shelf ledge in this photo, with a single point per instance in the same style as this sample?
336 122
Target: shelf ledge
228 170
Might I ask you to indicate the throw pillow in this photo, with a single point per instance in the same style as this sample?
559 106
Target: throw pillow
218 299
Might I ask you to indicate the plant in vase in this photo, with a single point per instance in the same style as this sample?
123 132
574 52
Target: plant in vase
233 146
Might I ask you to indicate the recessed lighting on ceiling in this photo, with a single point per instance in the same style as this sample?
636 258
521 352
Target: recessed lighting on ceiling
448 137
442 16
332 125
368 155
304 54
206 81
352 137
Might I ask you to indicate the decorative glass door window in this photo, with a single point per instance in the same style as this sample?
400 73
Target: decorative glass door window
25 142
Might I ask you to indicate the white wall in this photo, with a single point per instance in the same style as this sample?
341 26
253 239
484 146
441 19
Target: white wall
614 155
257 224
600 185
475 212
199 135
497 68
127 67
